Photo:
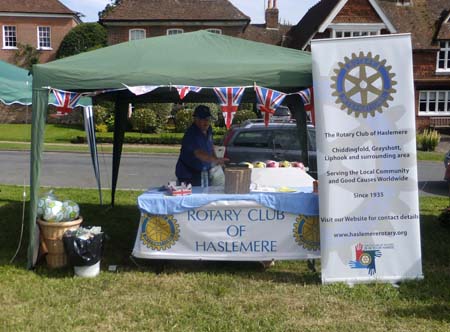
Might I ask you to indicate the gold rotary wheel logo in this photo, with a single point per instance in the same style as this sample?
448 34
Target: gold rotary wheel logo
363 84
306 232
159 232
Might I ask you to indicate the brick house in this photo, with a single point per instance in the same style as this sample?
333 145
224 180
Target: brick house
137 19
41 24
428 21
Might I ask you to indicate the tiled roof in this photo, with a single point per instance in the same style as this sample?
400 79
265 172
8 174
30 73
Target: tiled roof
423 19
192 10
259 33
34 6
300 34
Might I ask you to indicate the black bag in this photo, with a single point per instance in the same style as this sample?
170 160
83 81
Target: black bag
83 252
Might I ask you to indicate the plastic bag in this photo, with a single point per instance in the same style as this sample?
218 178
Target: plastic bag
84 246
217 176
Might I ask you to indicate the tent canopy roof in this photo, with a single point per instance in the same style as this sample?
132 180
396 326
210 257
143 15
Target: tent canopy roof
198 58
15 84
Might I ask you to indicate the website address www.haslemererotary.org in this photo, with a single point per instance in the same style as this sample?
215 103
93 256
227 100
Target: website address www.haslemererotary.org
371 234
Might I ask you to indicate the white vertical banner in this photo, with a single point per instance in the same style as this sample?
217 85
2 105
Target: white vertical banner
366 157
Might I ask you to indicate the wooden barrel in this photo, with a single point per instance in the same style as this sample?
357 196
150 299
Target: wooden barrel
237 180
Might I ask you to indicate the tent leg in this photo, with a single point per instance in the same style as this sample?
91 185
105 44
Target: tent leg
120 121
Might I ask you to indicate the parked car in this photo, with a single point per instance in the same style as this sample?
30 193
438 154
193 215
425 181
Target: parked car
253 141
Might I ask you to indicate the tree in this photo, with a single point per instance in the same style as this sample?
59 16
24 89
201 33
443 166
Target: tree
84 37
108 8
26 56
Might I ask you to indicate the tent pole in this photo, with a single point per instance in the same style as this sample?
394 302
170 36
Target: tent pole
38 118
120 122
298 110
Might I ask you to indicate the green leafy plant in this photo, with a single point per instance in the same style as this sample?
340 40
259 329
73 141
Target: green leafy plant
26 56
242 115
428 140
144 120
84 37
183 119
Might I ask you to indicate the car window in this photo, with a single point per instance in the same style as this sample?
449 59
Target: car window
311 140
257 139
286 140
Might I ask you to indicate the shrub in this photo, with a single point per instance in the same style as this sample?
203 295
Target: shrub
183 119
104 116
144 120
84 37
428 140
242 115
101 128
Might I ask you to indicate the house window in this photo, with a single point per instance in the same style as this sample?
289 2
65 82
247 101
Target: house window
136 34
44 42
342 34
403 2
174 31
443 57
9 36
218 31
434 103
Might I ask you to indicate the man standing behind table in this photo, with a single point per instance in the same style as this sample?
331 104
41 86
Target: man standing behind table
197 149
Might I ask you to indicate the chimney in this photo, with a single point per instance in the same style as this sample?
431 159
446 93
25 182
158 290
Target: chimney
272 15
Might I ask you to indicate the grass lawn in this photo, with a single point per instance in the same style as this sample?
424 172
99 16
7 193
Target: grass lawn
207 296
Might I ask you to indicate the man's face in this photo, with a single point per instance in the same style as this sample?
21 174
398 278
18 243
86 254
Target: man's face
203 124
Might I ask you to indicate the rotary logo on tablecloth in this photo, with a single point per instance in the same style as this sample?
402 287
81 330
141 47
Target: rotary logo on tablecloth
306 232
159 232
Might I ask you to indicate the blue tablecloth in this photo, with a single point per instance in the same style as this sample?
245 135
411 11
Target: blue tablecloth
159 202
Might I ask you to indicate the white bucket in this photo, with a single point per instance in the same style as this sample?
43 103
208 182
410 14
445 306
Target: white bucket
87 271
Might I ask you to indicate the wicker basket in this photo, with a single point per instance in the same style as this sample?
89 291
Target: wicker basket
237 180
52 233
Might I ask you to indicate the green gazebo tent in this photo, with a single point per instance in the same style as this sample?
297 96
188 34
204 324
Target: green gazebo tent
15 85
196 59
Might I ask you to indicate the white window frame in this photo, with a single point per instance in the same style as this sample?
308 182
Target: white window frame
218 31
444 46
341 30
403 2
434 102
6 34
171 32
130 32
40 47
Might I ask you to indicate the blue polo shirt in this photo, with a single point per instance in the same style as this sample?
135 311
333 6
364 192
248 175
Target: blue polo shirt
188 165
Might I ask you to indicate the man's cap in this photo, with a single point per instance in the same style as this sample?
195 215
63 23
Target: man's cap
202 112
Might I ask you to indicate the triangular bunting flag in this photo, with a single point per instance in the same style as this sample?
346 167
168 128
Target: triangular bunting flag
141 89
65 101
268 101
184 90
307 97
229 100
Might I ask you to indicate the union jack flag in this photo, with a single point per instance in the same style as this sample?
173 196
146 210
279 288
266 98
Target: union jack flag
307 97
268 101
184 90
65 101
229 100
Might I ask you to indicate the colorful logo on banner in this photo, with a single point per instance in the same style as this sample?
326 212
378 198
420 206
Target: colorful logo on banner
65 101
306 232
365 259
184 90
159 232
229 100
363 84
268 101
